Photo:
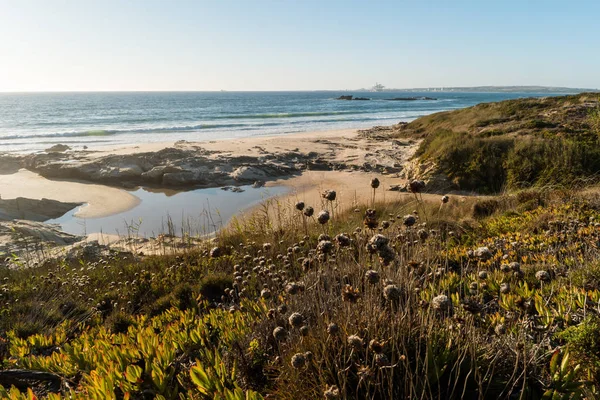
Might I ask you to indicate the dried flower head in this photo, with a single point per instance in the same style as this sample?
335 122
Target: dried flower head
445 199
324 247
372 276
332 393
409 220
309 211
542 276
333 329
442 303
279 333
298 360
370 221
296 320
375 346
216 252
350 294
374 183
343 240
329 195
300 206
304 330
323 217
392 293
483 253
355 342
416 186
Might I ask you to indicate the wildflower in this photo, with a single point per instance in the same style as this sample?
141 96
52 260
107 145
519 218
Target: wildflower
298 360
416 186
329 195
333 329
323 217
392 293
309 211
279 333
332 393
296 320
300 206
372 276
374 183
355 342
542 276
409 220
445 199
442 303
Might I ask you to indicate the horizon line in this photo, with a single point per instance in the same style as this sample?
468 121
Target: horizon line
443 88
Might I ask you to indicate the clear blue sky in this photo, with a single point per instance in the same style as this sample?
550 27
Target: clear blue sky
296 44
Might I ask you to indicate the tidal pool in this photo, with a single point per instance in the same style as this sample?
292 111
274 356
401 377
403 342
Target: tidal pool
194 212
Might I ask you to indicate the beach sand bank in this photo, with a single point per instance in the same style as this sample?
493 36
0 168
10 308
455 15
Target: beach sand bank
99 200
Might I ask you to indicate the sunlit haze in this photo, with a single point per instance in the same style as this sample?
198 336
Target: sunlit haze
295 45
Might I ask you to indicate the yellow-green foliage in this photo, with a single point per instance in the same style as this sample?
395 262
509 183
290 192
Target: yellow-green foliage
151 357
497 308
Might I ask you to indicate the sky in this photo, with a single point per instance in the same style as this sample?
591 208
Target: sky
145 45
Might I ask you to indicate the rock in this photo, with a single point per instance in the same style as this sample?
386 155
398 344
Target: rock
258 184
247 173
156 173
398 188
345 97
180 178
58 148
236 189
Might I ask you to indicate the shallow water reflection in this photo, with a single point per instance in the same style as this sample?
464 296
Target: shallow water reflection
195 212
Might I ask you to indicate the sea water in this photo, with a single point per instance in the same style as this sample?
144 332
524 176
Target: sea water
31 122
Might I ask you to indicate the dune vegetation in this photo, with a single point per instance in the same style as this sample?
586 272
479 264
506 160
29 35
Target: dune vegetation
514 144
455 298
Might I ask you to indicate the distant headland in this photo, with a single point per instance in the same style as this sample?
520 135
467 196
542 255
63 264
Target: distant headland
485 89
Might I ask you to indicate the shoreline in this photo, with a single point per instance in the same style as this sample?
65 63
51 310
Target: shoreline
306 163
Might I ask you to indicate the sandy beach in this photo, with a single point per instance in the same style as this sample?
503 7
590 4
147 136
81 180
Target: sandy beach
98 200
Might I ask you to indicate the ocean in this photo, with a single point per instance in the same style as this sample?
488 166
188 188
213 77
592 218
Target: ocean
31 122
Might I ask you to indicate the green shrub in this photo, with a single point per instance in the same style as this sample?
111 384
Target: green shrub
213 286
583 341
119 322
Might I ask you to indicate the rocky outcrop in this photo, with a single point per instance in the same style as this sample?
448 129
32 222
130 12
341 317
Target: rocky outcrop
428 172
58 148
